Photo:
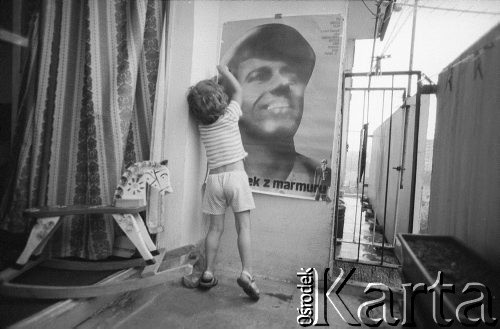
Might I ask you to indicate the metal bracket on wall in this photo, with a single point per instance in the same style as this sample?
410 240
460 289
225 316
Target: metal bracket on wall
398 168
429 89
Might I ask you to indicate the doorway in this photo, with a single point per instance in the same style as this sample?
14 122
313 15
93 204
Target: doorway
377 171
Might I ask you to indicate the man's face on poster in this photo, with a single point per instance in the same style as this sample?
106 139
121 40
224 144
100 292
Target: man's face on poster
273 98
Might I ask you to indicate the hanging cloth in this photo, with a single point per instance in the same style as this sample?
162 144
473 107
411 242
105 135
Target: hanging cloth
89 114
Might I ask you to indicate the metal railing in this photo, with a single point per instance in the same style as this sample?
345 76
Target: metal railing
373 102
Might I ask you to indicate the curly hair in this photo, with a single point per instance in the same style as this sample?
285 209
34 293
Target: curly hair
207 101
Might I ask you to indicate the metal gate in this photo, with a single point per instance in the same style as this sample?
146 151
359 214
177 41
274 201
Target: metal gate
377 165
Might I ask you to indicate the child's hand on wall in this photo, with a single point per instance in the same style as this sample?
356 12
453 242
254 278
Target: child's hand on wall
230 83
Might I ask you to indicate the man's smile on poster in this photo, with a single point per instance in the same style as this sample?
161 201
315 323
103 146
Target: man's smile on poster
288 94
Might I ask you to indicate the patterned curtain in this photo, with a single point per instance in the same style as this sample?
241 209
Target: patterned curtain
86 113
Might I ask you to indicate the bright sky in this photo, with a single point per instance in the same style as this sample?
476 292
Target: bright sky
441 36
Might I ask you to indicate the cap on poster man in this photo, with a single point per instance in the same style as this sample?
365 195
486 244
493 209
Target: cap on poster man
273 41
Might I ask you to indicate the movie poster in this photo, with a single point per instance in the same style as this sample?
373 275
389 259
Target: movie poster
289 71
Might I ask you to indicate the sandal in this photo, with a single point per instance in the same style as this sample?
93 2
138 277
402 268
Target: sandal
207 283
249 286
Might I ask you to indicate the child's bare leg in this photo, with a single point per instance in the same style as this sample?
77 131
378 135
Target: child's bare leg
246 280
242 221
212 240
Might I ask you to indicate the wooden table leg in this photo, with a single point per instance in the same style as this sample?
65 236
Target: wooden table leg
38 251
145 235
129 225
39 235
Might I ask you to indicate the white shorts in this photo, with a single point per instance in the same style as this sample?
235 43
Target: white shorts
227 189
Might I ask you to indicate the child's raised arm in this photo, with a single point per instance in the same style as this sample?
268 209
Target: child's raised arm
230 83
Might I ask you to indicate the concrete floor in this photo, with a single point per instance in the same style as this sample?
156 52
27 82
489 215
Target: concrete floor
224 306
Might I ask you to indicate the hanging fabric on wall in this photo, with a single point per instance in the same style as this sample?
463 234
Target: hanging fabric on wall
465 186
362 156
89 115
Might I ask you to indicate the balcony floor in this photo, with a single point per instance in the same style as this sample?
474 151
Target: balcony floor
224 306
359 237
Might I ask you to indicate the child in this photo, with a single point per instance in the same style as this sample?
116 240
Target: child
227 181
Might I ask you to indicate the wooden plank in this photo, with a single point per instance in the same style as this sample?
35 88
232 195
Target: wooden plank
129 226
64 264
13 38
124 308
11 273
72 312
177 252
69 313
153 269
62 292
144 232
38 237
81 210
39 250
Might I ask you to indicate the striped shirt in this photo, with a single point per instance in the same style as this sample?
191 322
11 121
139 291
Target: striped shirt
222 139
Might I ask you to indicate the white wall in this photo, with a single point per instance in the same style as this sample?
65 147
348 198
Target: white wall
181 146
288 233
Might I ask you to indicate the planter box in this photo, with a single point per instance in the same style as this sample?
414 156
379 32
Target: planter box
425 255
